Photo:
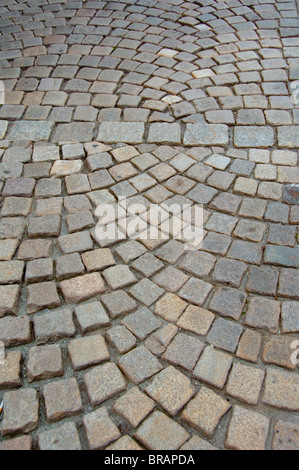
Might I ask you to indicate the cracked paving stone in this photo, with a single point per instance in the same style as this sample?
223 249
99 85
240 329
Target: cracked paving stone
139 365
205 411
62 399
104 382
159 432
171 389
21 411
134 406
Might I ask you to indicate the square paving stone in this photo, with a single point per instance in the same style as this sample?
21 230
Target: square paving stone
119 276
170 252
262 280
21 411
196 319
62 399
97 260
281 389
198 263
39 270
44 362
91 316
103 382
82 288
88 351
62 438
15 330
148 264
139 365
225 334
213 367
159 432
142 323
54 325
171 389
100 429
228 302
195 291
247 430
42 295
134 406
146 292
11 272
184 351
245 383
263 313
68 266
205 411
289 283
76 242
130 251
277 351
170 307
229 271
118 303
121 339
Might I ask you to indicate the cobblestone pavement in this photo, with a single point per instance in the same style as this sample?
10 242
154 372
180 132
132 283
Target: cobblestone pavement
140 344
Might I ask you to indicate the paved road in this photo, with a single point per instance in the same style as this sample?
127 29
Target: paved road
140 342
